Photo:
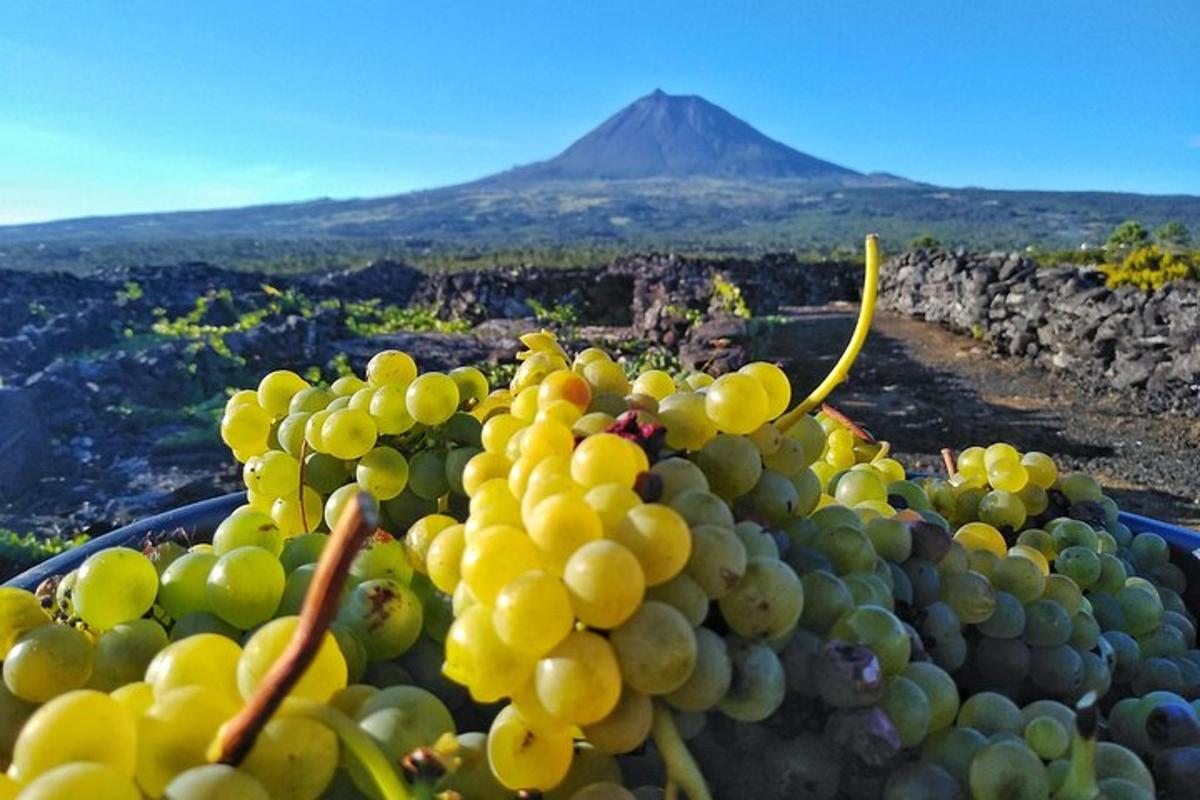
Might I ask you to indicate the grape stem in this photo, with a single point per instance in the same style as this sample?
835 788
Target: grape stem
851 425
866 312
948 460
235 738
1080 783
682 772
358 742
300 490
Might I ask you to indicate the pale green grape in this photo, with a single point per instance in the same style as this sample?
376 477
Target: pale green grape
773 499
348 433
758 684
737 403
878 629
1008 770
114 586
941 693
432 398
681 592
1007 620
309 400
767 601
710 678
678 475
293 758
953 749
324 676
382 557
48 661
1047 624
427 474
386 615
215 782
826 599
626 727
383 472
525 754
700 507
732 465
247 529
907 706
1047 737
123 652
656 649
718 559
244 586
174 733
83 725
80 779
203 622
989 713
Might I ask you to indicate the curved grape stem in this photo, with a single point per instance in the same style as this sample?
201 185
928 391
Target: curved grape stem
866 312
682 772
357 741
359 519
300 491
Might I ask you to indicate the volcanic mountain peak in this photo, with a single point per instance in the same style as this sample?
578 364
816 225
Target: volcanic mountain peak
679 136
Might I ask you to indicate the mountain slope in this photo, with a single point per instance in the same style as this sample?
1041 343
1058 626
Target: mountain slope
666 171
662 135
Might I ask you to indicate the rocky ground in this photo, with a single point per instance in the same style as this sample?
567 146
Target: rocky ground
105 417
923 388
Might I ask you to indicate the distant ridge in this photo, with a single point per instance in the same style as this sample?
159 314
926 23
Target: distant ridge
675 136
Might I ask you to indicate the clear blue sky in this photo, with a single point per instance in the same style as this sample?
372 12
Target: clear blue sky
139 105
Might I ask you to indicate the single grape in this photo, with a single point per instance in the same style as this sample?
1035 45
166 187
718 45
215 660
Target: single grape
758 684
1008 770
767 601
432 398
527 755
114 586
47 662
83 725
732 465
655 648
737 403
605 583
215 782
386 615
123 652
245 586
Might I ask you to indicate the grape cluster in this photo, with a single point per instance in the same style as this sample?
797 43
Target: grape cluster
581 571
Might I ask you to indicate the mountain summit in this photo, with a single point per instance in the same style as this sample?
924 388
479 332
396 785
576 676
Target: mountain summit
677 136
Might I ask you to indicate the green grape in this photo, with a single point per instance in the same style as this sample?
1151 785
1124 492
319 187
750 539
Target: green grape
659 538
432 398
710 679
276 390
114 586
48 661
1115 761
732 464
767 601
310 399
244 586
688 426
560 525
83 725
391 366
940 621
681 592
123 652
1149 550
403 718
990 713
868 589
1057 671
381 557
982 562
605 583
247 529
427 474
737 403
1079 564
1034 499
1079 487
921 779
215 782
1141 608
528 755
878 629
183 584
655 648
700 507
826 599
1071 532
1001 663
1085 632
1002 509
324 473
293 757
907 494
386 615
473 777
953 749
856 487
1008 619
1020 577
773 499
925 579
80 779
1047 624
1008 770
678 475
718 559
300 550
891 539
457 459
203 622
970 595
175 732
941 693
361 400
383 472
847 548
908 708
278 474
348 433
294 520
758 684
757 542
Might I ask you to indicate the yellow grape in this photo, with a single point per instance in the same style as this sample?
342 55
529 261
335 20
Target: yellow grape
686 420
547 438
774 382
204 659
76 780
533 613
1041 469
421 534
655 383
981 536
564 385
606 377
324 676
478 658
605 583
579 682
83 725
524 755
604 458
443 560
495 556
560 524
612 502
482 468
175 732
736 403
391 366
659 538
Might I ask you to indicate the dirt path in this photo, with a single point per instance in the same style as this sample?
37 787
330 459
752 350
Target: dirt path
923 388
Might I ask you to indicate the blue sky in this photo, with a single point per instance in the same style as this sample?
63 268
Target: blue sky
138 105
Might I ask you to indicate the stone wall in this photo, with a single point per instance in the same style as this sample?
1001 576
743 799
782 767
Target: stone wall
1144 344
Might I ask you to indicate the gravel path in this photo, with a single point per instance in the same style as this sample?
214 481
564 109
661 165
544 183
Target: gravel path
923 388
